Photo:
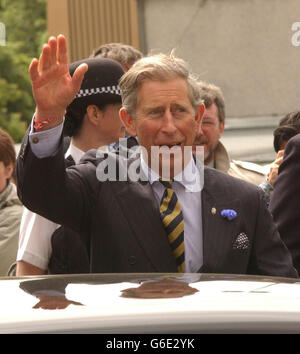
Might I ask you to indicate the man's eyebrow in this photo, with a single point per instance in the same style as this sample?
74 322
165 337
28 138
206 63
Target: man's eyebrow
154 106
162 106
179 104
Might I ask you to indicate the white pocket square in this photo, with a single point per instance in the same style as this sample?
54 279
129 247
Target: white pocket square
241 242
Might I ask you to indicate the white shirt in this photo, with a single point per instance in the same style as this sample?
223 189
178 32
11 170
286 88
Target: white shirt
36 231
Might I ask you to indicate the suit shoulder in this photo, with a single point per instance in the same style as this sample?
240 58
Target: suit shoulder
220 181
96 156
293 146
104 165
295 139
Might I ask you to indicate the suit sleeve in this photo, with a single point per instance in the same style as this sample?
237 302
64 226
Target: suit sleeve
270 255
284 204
47 189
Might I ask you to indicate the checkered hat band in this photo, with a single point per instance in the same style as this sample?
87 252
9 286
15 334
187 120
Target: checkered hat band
115 90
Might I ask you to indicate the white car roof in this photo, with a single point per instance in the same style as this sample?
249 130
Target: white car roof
95 303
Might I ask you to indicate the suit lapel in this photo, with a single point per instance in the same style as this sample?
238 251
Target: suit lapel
210 231
142 213
218 233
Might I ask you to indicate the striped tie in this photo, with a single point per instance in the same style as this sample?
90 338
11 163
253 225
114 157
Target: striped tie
172 220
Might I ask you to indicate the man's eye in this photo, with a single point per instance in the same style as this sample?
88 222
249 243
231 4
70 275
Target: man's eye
154 112
178 111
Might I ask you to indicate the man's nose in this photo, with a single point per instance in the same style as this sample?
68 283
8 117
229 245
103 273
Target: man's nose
168 122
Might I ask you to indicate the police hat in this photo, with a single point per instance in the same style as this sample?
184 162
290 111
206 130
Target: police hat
99 87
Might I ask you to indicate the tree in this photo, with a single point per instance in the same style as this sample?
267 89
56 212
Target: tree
25 23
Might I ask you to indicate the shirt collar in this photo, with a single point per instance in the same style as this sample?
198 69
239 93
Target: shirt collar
189 177
75 153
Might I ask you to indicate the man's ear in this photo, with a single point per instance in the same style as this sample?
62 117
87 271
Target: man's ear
198 118
128 121
221 128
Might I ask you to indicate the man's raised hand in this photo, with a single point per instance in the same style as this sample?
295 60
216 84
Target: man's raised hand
52 85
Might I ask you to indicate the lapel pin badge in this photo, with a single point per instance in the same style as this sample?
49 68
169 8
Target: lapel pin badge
229 214
213 211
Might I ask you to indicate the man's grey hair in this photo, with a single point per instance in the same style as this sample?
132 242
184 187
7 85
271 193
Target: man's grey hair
159 67
210 94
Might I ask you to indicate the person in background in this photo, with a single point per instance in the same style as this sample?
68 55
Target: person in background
288 127
284 202
124 54
10 206
213 124
92 121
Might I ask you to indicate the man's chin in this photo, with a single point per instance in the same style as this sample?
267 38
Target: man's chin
207 153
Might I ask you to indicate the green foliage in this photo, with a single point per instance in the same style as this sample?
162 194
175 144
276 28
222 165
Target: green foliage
25 22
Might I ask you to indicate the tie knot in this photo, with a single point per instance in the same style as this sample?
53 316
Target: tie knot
69 161
166 184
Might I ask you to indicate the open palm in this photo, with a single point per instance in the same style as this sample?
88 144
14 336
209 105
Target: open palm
53 87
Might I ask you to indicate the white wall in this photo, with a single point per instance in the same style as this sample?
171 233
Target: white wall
243 46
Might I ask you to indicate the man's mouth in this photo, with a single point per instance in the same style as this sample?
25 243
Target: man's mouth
169 145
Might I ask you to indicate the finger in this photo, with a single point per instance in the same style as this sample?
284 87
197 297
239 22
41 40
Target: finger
280 153
53 48
44 62
62 53
275 167
33 70
78 76
273 170
278 161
